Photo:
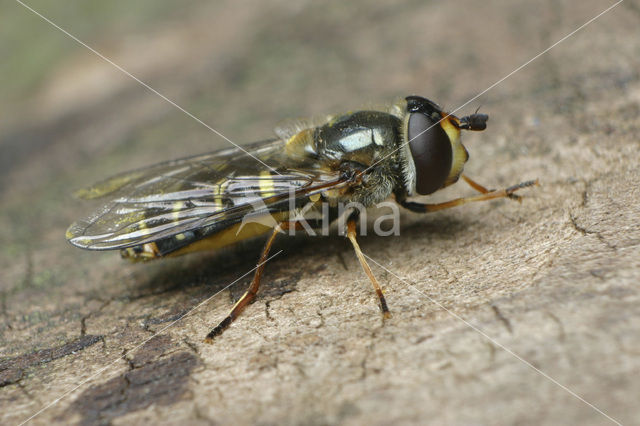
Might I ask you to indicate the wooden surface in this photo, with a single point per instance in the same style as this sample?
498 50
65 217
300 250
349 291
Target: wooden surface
503 313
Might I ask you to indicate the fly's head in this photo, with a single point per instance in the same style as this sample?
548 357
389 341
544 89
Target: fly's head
433 139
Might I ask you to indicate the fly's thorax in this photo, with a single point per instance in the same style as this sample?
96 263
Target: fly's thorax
362 141
362 137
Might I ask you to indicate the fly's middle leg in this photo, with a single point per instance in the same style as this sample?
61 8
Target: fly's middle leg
351 234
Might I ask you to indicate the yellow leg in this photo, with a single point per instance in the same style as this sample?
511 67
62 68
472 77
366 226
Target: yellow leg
351 234
475 185
490 195
481 189
250 294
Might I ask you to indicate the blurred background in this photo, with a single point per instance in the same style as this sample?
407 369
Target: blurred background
68 118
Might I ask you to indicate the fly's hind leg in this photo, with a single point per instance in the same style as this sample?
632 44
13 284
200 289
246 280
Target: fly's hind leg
351 234
489 195
250 294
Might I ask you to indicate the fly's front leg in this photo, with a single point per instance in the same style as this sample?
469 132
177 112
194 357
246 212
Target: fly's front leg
489 195
481 189
351 234
250 294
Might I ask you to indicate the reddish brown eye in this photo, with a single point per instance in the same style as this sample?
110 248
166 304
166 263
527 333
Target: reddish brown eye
431 152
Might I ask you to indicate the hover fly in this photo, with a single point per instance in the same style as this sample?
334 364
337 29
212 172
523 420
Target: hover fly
198 203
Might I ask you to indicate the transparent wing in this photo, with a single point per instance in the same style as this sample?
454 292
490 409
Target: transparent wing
174 197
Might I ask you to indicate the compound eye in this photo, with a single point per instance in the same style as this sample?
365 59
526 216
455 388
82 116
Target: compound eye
431 152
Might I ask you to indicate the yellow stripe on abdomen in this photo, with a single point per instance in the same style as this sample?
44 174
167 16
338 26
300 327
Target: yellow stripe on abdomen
266 184
230 236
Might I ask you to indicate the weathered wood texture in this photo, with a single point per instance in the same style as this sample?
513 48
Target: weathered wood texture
553 280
